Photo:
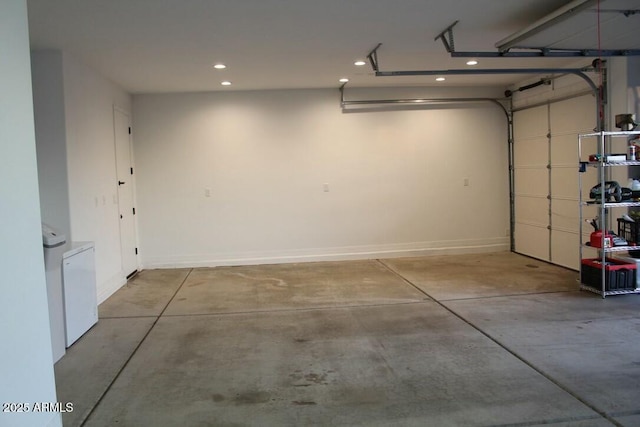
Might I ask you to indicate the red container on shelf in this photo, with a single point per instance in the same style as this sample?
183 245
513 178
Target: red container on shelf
597 240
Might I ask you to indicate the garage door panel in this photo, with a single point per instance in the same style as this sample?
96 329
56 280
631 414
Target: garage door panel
617 145
589 146
532 210
532 151
588 181
573 116
564 150
563 121
534 124
564 182
620 174
563 249
564 215
532 241
532 181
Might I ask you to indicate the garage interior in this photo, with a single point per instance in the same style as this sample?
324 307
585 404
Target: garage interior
462 340
329 213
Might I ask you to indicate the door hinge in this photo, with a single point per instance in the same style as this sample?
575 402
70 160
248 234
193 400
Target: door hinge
134 211
129 130
136 251
131 171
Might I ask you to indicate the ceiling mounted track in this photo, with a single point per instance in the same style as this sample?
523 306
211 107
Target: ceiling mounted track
503 46
580 72
419 102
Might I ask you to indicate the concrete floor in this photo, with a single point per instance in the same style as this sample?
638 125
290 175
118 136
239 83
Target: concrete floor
474 340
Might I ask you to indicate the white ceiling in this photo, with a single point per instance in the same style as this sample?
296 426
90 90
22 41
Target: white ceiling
153 46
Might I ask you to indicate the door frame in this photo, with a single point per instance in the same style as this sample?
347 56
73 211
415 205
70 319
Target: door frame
127 114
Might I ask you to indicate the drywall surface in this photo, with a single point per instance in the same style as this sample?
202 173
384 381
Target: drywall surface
620 97
26 363
88 103
624 87
633 89
51 139
285 176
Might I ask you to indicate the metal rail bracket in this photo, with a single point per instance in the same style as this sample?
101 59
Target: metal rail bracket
447 38
373 58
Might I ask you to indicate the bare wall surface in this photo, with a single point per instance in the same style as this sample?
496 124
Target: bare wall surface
272 176
89 101
26 363
51 138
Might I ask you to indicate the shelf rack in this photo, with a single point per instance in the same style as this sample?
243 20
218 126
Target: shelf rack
603 167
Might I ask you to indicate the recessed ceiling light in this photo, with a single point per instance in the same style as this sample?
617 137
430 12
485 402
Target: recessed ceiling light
472 62
225 83
440 79
359 63
219 66
343 80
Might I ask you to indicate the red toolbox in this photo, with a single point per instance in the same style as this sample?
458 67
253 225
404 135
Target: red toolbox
619 275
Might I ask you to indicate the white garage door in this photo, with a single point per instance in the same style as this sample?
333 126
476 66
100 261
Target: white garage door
546 178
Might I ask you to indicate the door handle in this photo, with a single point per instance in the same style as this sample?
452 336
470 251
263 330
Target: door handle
120 182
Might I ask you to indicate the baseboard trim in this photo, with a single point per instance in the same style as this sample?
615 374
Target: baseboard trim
108 288
333 254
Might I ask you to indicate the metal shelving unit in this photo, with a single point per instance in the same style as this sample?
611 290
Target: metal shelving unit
604 141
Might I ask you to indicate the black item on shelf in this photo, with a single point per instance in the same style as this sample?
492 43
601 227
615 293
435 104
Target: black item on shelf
630 231
612 191
619 275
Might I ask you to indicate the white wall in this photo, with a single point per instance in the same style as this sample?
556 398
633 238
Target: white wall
633 85
618 100
26 363
624 87
76 153
89 102
51 138
395 178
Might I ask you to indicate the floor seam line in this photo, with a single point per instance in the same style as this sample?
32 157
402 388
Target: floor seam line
135 350
295 310
514 354
551 421
506 295
625 413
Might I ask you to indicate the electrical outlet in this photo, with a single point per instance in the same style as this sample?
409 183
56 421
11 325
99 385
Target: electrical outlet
207 192
466 182
325 187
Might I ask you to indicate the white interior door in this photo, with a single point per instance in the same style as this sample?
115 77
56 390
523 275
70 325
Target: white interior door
128 245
